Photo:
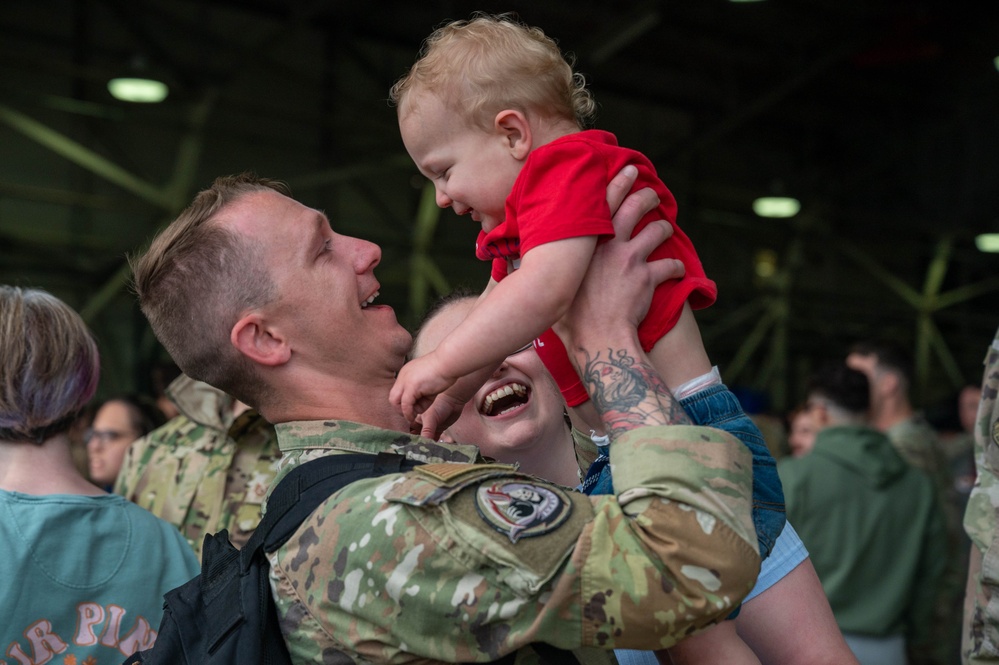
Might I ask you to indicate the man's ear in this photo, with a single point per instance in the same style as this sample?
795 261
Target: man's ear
516 131
258 341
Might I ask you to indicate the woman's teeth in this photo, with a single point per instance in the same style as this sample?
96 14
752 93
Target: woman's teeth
516 391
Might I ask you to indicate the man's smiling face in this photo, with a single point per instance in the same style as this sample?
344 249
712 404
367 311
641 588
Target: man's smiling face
325 285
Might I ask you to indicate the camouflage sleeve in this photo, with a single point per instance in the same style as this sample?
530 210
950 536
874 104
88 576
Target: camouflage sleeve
132 466
919 447
123 482
465 563
162 472
980 641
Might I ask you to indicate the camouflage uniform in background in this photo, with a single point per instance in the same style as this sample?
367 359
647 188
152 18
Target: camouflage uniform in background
463 561
919 445
203 471
980 643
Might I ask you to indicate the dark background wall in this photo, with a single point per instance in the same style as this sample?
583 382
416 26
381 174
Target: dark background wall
880 116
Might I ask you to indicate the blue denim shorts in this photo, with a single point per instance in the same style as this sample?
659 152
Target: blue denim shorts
717 407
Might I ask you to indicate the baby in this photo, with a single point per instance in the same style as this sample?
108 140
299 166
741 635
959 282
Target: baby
492 113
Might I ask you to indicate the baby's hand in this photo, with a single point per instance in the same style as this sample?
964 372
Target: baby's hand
443 413
418 383
448 406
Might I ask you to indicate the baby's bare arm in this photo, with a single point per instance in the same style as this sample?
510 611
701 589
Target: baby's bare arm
519 308
509 315
679 355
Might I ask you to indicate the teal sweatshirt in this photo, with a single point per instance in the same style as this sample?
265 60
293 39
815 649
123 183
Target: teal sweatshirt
873 528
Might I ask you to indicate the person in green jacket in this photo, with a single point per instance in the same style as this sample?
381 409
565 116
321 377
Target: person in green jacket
871 522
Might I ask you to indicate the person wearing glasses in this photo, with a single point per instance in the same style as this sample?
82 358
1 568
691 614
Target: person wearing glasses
118 422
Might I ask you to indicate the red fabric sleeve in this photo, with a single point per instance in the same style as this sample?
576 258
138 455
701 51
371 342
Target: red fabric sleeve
561 193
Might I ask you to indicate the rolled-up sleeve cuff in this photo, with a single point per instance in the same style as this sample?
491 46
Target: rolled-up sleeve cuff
705 468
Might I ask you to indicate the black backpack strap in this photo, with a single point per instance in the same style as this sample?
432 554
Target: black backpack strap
303 489
202 619
295 498
290 503
308 485
553 655
548 654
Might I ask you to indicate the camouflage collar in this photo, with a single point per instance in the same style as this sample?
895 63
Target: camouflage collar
345 435
209 406
200 402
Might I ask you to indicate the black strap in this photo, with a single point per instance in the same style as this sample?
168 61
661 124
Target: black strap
308 485
305 487
547 653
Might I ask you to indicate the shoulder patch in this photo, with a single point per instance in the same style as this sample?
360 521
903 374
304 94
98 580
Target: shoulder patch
522 509
432 484
450 471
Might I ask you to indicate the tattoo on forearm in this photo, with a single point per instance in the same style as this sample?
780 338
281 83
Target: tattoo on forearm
628 393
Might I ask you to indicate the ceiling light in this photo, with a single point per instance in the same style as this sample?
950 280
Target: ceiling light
776 206
140 90
987 242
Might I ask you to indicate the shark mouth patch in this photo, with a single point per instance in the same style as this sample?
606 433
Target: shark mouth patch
522 509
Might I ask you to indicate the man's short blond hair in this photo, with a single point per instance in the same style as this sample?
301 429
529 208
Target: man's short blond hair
49 365
198 278
490 63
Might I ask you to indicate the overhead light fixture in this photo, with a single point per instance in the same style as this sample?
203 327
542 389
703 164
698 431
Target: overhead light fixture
987 242
140 82
138 90
744 1
778 207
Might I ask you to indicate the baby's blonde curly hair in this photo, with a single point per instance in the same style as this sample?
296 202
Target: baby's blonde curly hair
489 63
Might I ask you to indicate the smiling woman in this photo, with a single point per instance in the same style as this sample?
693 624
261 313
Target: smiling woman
515 418
517 413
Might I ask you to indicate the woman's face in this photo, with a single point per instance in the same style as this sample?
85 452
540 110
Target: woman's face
517 408
110 435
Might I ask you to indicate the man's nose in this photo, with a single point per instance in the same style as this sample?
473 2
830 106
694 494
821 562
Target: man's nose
368 255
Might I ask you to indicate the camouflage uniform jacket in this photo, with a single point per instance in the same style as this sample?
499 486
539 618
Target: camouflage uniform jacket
203 471
918 444
466 562
981 521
